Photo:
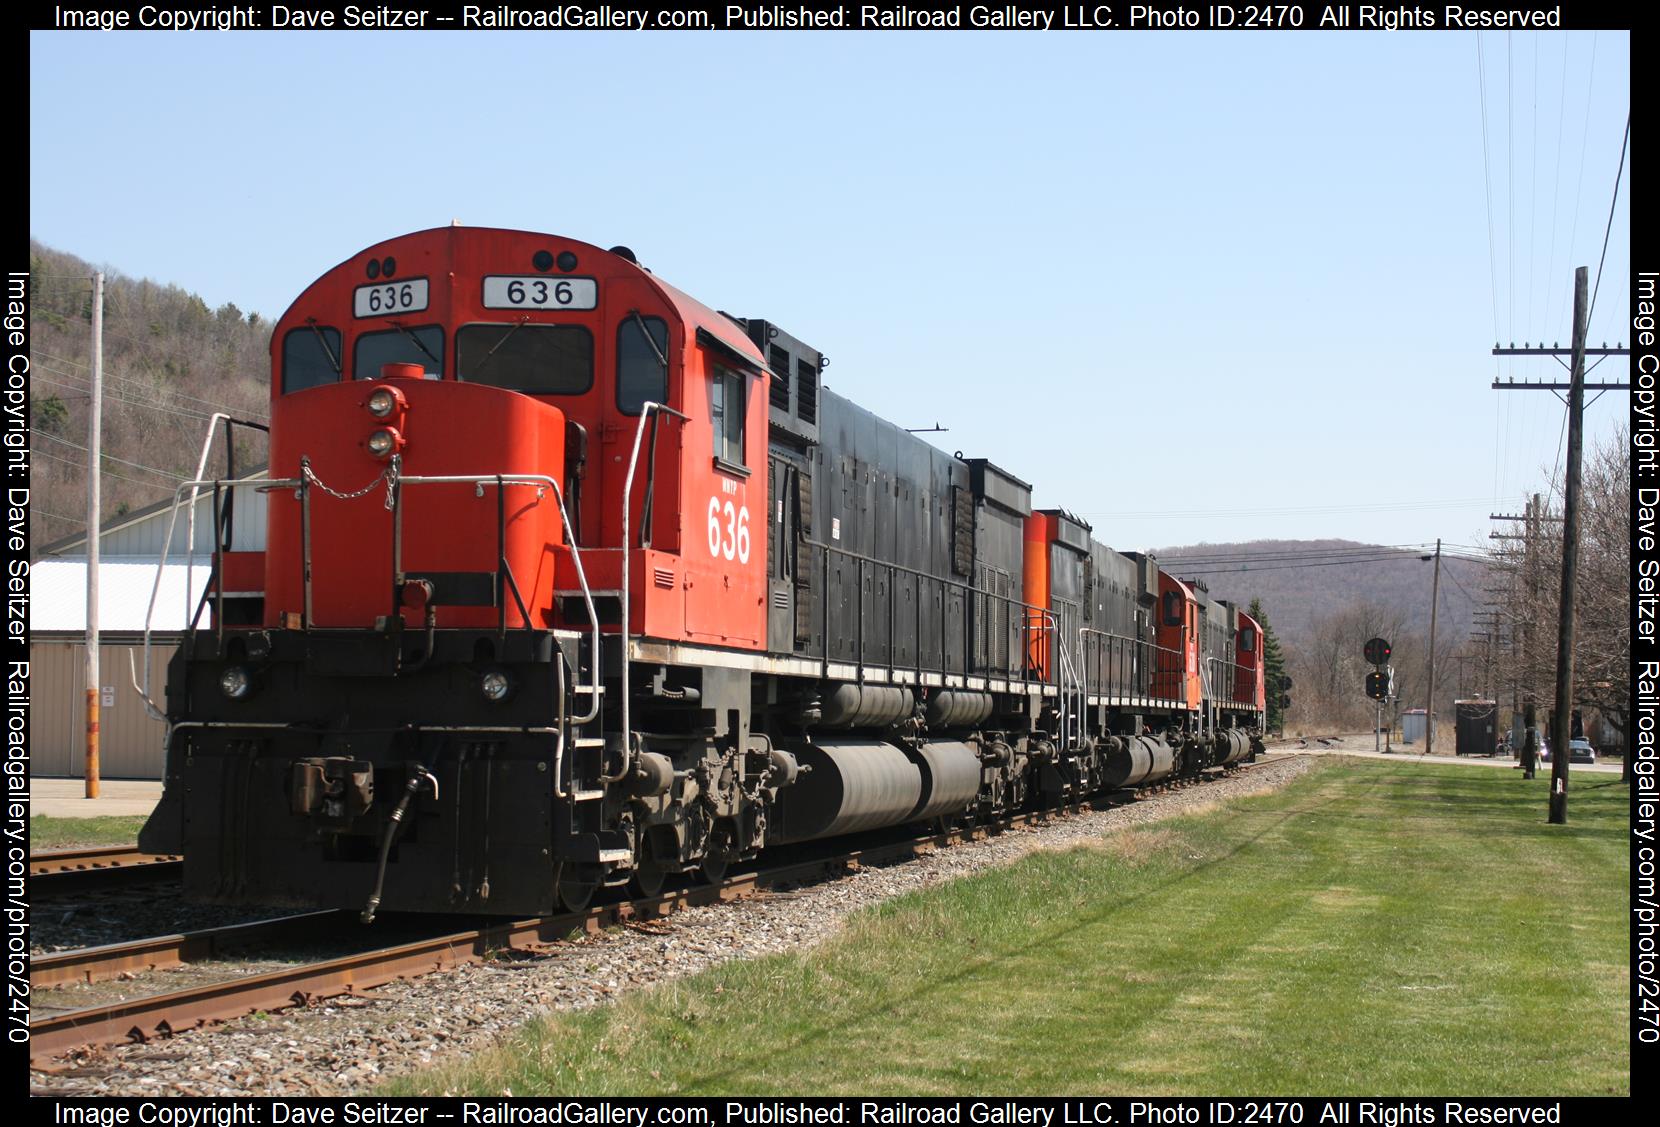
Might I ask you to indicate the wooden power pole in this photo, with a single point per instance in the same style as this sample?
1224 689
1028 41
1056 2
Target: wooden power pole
1561 727
94 457
1434 603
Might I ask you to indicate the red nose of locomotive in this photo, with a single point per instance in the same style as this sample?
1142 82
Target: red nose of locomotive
375 536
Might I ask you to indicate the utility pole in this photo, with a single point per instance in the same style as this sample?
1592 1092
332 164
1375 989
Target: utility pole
1562 717
1530 650
1434 603
94 498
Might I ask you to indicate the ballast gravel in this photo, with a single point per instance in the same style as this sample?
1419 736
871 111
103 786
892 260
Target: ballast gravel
346 1045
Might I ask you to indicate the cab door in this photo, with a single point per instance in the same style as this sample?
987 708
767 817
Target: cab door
783 486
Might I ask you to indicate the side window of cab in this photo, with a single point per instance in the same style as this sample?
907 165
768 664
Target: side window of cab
642 362
727 405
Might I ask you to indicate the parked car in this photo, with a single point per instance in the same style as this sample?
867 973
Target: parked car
1581 751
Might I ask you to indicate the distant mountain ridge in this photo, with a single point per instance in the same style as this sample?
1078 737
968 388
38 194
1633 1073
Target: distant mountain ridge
1297 597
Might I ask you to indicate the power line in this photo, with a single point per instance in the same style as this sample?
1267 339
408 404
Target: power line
1487 178
1273 555
1289 566
1313 510
1617 174
140 385
106 471
1584 140
49 436
146 404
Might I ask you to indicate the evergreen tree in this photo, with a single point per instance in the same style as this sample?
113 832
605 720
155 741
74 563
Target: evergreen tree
1273 661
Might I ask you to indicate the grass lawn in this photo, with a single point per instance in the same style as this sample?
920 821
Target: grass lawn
1402 928
68 833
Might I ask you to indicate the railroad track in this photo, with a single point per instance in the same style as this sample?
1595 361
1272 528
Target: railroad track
62 871
140 1019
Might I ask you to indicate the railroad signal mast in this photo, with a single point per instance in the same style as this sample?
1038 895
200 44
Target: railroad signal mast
1380 682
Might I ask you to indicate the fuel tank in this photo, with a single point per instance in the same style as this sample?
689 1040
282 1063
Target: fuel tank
851 785
1232 746
1133 761
951 779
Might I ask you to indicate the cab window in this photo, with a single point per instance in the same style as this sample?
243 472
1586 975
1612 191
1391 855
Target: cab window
423 346
1247 640
1172 608
642 348
726 413
535 359
310 357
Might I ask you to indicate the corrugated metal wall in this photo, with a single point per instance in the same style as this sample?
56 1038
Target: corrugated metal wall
129 744
145 537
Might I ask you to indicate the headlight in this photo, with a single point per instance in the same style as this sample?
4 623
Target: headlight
382 402
235 682
384 442
495 685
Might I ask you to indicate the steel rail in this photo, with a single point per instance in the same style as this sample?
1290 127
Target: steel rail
66 860
74 870
162 952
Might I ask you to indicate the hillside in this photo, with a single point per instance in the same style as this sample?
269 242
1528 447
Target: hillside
169 363
1323 605
1298 593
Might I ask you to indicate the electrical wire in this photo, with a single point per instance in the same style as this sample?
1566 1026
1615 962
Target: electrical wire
1620 171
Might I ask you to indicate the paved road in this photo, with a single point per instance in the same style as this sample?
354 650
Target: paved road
1361 746
66 798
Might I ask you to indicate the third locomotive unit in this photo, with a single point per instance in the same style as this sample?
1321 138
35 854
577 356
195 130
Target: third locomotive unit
568 580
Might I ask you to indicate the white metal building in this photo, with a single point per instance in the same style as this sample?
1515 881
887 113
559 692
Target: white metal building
129 592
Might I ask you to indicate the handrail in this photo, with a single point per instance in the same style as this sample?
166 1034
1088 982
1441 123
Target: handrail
540 481
190 524
969 592
161 564
1141 648
648 408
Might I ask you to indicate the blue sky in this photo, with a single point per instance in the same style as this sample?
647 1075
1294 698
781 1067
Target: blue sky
1194 286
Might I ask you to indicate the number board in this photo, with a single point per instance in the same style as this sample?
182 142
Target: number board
388 299
511 291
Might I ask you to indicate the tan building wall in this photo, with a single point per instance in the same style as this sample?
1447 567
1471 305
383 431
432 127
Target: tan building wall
130 740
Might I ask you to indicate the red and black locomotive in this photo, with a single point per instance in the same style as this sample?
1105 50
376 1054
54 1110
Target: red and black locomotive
570 581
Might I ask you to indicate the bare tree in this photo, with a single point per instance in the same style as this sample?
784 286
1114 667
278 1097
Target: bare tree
1528 581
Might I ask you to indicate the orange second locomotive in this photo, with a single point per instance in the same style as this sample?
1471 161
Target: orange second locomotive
569 580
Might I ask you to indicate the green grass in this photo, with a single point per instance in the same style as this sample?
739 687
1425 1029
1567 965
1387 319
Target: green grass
67 833
1374 927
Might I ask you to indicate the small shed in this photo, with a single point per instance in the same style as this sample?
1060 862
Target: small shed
1413 722
1477 732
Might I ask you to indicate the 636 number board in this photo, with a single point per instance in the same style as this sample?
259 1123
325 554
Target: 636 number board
509 291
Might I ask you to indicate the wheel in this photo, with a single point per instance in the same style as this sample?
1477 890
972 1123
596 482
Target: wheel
574 889
717 859
649 873
714 866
